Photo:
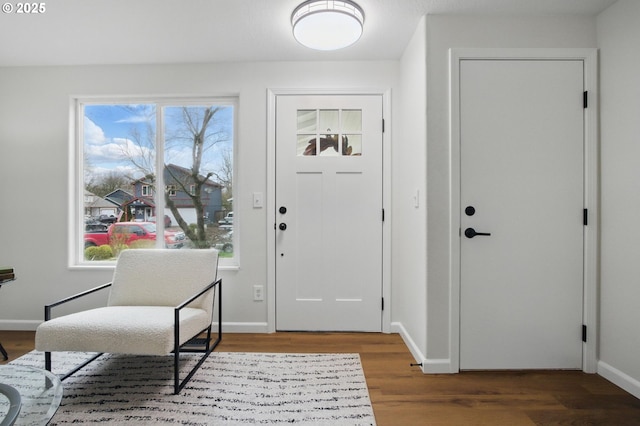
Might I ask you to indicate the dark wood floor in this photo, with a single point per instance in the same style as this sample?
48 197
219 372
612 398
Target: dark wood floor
403 396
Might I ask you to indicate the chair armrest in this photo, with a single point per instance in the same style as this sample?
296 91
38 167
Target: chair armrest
200 293
178 309
47 308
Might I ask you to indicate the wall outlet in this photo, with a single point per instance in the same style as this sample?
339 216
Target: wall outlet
258 293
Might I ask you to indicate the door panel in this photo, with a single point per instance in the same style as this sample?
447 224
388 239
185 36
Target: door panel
329 179
522 172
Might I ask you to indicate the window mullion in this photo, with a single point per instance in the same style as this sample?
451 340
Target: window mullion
160 185
78 184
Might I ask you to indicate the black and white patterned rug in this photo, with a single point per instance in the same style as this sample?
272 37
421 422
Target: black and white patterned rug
231 388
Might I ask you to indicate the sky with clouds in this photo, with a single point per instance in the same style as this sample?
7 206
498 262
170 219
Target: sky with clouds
111 131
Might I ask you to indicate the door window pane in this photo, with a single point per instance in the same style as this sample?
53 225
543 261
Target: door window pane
352 120
338 132
306 145
329 121
307 121
352 144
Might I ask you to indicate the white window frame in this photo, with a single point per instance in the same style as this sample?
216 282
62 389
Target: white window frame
76 214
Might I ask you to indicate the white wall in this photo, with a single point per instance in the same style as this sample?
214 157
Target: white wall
619 43
443 33
409 257
34 121
34 108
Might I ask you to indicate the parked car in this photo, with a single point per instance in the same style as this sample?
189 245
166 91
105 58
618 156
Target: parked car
225 242
93 238
227 220
133 231
93 225
107 218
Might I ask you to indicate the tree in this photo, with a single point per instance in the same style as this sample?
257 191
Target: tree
196 130
224 176
191 134
104 184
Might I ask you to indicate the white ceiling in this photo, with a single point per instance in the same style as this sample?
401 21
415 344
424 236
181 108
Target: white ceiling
75 32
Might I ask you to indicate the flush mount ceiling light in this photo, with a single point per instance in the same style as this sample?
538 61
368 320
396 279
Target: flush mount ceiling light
327 24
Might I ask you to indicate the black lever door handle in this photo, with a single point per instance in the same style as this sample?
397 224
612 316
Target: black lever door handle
470 233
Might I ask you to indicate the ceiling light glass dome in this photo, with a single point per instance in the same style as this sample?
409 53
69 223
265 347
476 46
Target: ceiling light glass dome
327 24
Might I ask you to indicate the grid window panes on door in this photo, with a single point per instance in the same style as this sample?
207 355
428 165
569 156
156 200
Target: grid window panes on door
329 132
128 203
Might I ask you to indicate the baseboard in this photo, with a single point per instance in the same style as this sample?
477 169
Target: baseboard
619 378
19 325
437 366
397 327
429 366
243 327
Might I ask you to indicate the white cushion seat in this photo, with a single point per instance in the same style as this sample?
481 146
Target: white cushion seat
140 330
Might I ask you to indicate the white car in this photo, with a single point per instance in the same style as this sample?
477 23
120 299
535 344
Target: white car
227 220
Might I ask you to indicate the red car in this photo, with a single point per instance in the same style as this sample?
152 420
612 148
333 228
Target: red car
133 231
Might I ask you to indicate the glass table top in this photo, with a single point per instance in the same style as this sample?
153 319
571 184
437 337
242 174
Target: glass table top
40 392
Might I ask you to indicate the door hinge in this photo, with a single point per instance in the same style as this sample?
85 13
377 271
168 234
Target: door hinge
383 215
383 125
584 333
585 99
383 303
585 216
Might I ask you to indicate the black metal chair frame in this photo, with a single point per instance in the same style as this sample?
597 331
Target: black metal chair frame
184 348
5 356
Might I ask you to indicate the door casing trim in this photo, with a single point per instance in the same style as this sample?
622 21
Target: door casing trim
272 95
591 188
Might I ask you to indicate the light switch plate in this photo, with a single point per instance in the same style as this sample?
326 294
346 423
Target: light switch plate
258 200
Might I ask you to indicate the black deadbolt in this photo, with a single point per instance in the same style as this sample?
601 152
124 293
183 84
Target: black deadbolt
282 210
470 211
282 226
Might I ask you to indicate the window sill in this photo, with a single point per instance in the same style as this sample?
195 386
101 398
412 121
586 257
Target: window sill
111 265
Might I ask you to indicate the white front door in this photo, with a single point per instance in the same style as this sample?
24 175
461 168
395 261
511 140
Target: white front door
329 213
521 147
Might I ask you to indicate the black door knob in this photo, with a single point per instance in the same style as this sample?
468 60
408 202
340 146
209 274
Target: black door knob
282 210
282 226
470 233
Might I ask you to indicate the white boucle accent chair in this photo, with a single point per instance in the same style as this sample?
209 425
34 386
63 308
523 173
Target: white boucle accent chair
160 300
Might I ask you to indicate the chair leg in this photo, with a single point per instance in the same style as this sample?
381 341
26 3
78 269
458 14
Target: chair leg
47 365
178 385
207 351
176 371
4 353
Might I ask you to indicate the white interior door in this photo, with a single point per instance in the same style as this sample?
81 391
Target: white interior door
329 213
521 146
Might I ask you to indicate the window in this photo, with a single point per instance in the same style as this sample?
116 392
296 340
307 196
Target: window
329 132
122 146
